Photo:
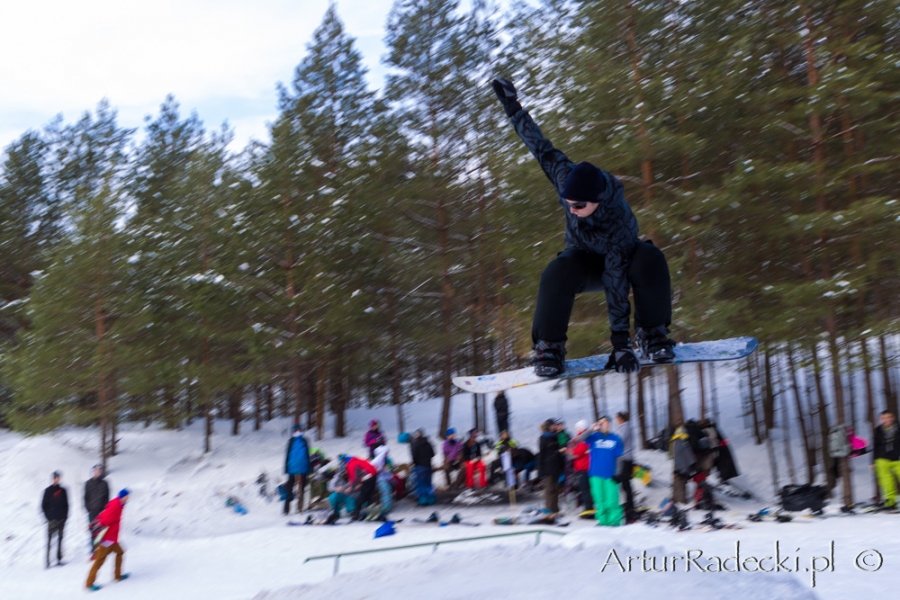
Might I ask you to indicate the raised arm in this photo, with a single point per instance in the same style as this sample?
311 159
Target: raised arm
555 164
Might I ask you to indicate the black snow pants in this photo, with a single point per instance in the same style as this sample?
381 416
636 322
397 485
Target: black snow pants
575 271
56 528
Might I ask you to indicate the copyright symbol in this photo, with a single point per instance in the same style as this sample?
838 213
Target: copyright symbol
869 560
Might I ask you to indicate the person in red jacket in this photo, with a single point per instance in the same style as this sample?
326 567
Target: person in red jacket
580 452
361 475
110 518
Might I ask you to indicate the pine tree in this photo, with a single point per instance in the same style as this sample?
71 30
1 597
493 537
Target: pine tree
305 222
434 57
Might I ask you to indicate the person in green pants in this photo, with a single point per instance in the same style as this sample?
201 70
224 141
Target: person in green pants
887 457
605 449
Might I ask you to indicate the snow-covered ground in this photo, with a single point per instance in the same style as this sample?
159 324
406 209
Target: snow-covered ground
182 541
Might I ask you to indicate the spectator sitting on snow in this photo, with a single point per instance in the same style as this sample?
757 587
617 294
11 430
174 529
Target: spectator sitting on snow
321 473
504 444
341 495
471 455
362 476
525 461
374 438
452 449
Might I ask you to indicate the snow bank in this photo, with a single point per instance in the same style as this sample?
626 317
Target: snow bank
181 540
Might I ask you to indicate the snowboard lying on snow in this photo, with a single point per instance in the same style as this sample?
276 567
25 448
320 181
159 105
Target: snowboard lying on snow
728 349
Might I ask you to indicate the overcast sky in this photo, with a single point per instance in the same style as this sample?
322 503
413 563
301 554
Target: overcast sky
221 58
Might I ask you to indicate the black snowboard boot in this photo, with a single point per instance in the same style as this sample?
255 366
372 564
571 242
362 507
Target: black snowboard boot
549 358
654 344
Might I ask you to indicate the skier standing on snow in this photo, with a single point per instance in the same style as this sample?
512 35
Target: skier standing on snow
626 463
55 505
887 457
606 448
602 252
297 466
110 518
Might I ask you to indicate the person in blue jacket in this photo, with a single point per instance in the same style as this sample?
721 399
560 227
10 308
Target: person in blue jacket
297 466
605 449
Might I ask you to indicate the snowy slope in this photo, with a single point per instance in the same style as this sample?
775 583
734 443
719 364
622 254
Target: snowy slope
181 540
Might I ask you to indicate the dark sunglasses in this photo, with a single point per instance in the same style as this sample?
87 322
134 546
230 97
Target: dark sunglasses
576 205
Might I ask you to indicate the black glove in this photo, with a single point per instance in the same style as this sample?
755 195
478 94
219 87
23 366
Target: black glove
622 358
506 93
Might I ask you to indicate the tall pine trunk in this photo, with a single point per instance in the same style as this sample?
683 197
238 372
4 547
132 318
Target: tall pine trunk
827 463
843 463
808 449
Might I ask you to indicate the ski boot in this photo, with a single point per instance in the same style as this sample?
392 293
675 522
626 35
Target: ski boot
654 345
549 358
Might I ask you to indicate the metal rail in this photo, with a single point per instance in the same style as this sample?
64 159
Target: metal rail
337 557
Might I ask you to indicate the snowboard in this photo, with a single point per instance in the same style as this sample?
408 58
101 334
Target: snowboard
719 350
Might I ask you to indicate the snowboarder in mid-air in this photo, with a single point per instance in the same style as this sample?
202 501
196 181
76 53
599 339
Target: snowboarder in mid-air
602 252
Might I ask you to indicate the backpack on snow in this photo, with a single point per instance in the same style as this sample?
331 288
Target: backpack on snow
795 498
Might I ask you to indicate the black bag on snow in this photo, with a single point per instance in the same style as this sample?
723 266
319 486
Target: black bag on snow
795 498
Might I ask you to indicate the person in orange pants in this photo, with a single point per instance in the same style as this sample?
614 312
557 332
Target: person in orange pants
110 519
471 455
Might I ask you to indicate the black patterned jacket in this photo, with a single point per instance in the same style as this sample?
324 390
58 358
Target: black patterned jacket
611 230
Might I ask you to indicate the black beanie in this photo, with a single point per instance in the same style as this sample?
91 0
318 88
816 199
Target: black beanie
585 184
